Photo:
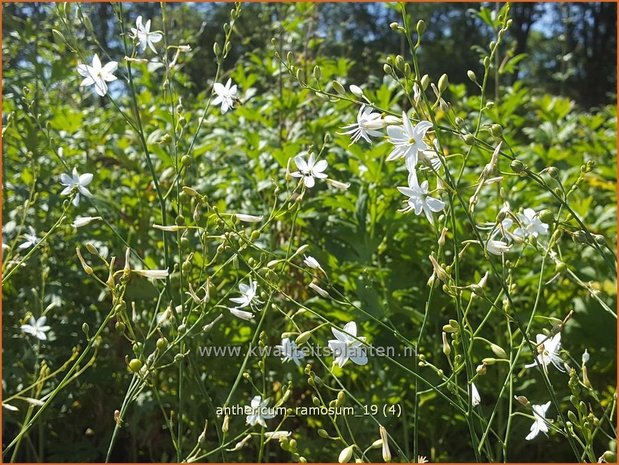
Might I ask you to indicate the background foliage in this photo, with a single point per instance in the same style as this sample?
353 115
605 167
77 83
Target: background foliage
553 91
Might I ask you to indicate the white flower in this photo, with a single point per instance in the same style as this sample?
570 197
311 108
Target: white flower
97 75
277 434
76 182
248 294
142 33
475 397
259 412
36 328
368 123
407 140
419 200
225 95
152 274
289 351
497 247
31 239
242 314
347 345
84 220
248 218
548 351
530 225
539 424
312 263
310 169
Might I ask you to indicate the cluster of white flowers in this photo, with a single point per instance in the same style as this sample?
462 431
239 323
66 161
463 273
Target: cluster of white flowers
529 226
98 75
548 348
409 144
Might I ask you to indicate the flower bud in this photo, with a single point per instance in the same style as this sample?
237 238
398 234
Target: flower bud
580 237
469 139
425 81
394 26
517 166
496 130
385 443
443 82
446 346
498 351
421 27
338 88
345 455
356 90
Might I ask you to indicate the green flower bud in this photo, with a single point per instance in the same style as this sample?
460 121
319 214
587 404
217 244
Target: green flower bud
421 27
498 351
517 166
443 82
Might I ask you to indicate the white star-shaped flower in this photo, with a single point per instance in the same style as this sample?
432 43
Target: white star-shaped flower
225 95
76 182
530 225
31 239
347 346
419 200
310 169
259 412
539 424
368 123
548 351
248 294
97 75
145 38
36 328
408 139
289 351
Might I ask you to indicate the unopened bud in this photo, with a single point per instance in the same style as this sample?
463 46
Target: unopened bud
443 82
498 351
345 455
517 166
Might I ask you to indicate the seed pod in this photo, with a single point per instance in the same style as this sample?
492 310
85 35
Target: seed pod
162 343
135 365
